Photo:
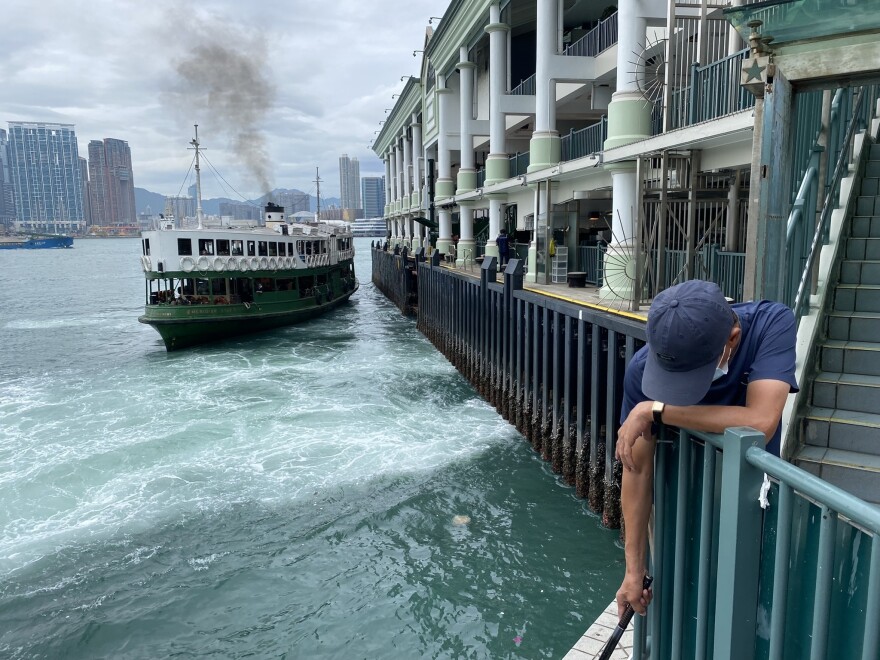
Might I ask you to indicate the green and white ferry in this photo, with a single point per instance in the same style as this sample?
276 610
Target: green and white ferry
205 284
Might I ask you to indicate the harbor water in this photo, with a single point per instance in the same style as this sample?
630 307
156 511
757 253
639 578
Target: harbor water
329 490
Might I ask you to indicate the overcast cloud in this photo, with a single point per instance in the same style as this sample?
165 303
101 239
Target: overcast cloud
277 88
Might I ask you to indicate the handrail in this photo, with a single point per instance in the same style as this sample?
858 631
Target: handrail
826 206
858 511
597 40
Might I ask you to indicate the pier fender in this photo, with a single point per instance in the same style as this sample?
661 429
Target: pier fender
204 264
187 264
218 264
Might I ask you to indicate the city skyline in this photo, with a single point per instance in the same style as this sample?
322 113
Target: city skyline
144 75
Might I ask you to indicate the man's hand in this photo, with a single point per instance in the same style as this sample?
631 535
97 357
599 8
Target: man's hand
637 424
633 593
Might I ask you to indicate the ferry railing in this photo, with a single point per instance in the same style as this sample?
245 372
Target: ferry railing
526 87
600 38
715 89
585 141
745 569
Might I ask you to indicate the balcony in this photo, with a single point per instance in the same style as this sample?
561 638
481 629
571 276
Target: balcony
600 38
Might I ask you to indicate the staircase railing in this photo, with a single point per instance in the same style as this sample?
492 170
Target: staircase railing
600 38
744 570
803 238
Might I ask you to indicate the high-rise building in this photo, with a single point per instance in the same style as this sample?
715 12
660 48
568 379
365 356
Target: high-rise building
7 203
46 177
373 194
87 190
179 208
349 182
112 183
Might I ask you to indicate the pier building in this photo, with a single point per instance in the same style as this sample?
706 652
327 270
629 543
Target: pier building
626 148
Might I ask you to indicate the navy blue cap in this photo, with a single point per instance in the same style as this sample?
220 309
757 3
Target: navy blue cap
688 325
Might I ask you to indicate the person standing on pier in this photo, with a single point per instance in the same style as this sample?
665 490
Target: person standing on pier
503 243
708 365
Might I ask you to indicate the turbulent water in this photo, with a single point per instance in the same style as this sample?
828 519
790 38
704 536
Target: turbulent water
330 490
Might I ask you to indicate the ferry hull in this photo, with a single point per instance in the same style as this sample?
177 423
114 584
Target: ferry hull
42 243
187 326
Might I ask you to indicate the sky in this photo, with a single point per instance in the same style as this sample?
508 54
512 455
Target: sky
277 88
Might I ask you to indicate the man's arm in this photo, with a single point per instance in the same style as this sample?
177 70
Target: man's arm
765 400
635 499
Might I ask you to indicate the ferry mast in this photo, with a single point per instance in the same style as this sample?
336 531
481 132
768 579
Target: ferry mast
199 213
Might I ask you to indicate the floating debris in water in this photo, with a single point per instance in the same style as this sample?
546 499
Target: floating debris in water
517 640
461 520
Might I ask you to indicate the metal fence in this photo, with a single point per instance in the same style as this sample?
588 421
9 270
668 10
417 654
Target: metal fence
600 38
798 579
519 163
585 141
590 259
525 88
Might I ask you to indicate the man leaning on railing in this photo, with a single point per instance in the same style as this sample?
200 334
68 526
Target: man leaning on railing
708 365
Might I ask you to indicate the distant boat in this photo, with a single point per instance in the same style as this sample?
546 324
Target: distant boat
207 284
35 242
372 227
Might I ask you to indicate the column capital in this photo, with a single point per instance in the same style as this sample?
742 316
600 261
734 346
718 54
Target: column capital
465 65
496 27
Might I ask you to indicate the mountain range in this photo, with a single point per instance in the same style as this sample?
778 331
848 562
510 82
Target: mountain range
144 199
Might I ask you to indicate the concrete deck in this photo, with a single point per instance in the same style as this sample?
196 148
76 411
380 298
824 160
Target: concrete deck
587 296
591 644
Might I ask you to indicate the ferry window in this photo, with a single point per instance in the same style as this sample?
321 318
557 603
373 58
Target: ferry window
265 284
202 287
223 248
299 247
184 246
262 249
305 284
206 246
251 251
236 249
218 286
188 287
283 250
147 247
284 284
322 278
273 249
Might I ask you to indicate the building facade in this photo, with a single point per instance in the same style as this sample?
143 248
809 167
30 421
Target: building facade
373 196
349 182
7 203
46 177
111 183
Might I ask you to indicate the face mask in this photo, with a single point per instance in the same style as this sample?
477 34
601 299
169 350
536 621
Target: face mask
721 369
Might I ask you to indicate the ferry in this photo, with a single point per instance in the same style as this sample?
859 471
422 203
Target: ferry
35 242
206 284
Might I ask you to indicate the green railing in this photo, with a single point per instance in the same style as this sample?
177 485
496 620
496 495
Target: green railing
600 38
808 224
519 163
733 580
525 88
712 91
590 259
585 141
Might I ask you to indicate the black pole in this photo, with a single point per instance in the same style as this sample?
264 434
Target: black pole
621 625
430 175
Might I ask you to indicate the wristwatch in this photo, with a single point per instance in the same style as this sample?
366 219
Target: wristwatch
657 409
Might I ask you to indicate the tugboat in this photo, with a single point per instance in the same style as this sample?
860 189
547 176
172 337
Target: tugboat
206 284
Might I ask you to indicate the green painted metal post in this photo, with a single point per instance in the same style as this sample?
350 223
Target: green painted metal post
739 548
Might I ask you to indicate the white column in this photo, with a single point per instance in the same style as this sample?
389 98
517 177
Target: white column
629 119
497 163
496 211
545 48
388 198
418 186
444 187
407 172
401 207
467 174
